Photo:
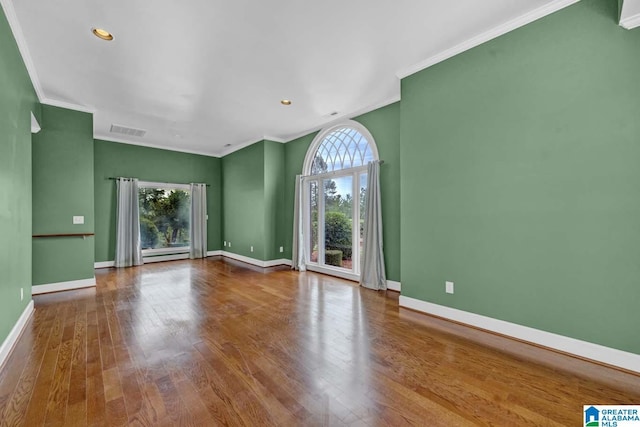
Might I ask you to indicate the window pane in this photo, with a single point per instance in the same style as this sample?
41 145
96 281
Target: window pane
313 226
164 218
343 148
363 194
338 218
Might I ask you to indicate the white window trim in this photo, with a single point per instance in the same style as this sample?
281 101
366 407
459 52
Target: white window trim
320 266
354 172
313 148
165 186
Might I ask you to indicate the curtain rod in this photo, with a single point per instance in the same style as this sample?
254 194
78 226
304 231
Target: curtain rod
116 177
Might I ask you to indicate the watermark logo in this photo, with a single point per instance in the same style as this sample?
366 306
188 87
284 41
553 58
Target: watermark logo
592 417
611 415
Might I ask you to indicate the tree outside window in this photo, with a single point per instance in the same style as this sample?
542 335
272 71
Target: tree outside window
164 217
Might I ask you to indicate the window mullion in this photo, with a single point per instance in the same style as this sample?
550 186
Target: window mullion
355 228
321 225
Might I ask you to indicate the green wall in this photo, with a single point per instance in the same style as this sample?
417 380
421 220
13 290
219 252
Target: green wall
520 178
273 198
384 125
112 159
252 200
294 153
17 100
62 187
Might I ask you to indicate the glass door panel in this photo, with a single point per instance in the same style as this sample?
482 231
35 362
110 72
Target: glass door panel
361 197
338 222
313 221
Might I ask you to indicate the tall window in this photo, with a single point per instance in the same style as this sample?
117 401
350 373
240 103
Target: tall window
164 217
335 184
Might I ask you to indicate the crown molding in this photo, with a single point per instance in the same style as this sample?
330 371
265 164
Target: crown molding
238 146
18 35
511 25
491 34
68 105
35 126
337 119
274 139
109 138
16 29
340 118
630 22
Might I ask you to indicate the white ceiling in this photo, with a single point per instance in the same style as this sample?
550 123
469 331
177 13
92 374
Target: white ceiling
201 74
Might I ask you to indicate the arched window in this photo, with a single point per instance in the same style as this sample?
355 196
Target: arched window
343 146
335 184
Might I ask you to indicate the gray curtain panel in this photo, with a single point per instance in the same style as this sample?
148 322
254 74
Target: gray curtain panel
198 223
297 246
128 249
373 275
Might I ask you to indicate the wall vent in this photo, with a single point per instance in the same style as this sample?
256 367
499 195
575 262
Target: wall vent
127 131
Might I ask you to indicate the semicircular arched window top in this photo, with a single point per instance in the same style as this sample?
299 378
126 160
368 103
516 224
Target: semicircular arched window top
343 147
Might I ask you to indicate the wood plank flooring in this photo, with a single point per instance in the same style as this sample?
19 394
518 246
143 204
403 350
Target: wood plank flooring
215 342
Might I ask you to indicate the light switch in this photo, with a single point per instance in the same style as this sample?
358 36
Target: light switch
78 219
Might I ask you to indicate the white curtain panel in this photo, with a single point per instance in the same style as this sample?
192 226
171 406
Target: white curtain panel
198 223
297 246
373 274
128 249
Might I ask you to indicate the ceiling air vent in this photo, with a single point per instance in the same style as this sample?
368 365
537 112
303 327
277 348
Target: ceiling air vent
127 131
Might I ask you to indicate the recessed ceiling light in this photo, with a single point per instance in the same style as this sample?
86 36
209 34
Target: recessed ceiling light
285 102
102 34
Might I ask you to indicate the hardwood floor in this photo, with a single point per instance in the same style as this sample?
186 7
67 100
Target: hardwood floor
213 342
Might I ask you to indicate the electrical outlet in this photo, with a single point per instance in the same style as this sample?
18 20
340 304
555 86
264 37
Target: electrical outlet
21 294
229 244
78 219
251 248
281 249
448 287
225 243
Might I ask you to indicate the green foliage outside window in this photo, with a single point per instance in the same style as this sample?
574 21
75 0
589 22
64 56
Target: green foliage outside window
338 235
164 218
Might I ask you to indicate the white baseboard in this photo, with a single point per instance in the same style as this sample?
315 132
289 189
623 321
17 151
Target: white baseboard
596 352
104 264
16 331
252 261
256 262
393 285
108 264
63 286
275 262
